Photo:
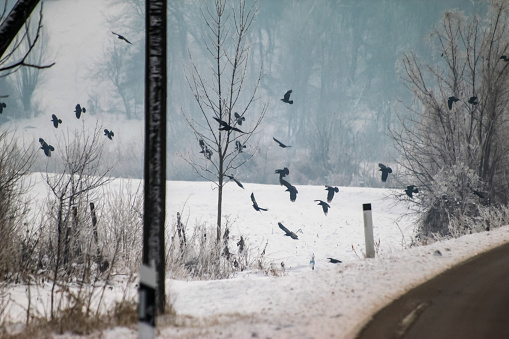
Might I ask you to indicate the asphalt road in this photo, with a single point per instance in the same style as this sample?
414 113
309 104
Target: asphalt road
470 300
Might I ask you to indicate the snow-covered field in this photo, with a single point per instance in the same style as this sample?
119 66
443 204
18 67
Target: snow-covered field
332 300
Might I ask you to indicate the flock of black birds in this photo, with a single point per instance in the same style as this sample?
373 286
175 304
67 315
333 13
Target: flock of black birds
78 110
284 172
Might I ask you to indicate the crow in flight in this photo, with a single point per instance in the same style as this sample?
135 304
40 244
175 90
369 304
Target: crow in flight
239 119
289 188
255 205
505 58
205 150
225 126
46 148
325 206
235 179
330 193
55 120
239 146
473 101
288 232
2 106
121 37
79 110
280 143
286 97
410 190
109 134
451 100
282 173
385 171
334 261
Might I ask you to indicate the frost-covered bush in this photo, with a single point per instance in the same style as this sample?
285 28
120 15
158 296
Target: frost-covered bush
449 199
453 138
199 255
15 162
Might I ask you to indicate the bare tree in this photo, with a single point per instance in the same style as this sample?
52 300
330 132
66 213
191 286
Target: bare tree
15 163
71 189
119 68
25 80
223 94
453 140
10 25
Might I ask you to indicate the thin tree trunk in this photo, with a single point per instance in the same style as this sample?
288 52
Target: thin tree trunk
57 263
219 207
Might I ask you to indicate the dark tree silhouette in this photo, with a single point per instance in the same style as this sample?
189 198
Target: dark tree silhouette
10 25
446 152
218 95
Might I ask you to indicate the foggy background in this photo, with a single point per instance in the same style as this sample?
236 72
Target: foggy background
340 58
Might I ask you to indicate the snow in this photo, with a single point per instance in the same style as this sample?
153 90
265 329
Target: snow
331 301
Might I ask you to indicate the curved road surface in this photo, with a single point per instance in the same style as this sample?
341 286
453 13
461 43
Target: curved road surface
470 300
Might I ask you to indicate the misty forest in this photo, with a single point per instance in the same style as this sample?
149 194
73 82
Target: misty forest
409 96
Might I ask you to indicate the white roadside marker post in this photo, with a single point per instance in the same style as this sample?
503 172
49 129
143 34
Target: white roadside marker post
368 231
147 302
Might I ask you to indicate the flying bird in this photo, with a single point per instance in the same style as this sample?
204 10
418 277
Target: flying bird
385 171
255 204
238 118
225 126
325 206
282 173
79 110
239 146
334 261
286 97
410 190
55 120
46 147
473 101
288 232
205 150
289 188
280 143
109 134
121 37
235 179
330 192
2 106
451 100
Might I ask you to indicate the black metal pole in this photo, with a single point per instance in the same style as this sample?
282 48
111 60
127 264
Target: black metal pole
155 143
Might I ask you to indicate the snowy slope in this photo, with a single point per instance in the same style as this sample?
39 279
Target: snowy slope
328 302
331 301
